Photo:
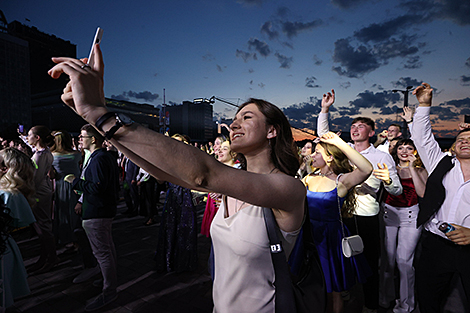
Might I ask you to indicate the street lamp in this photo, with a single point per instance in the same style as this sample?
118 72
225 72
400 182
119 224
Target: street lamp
405 104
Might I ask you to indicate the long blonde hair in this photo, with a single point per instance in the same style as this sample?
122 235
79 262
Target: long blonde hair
19 175
339 165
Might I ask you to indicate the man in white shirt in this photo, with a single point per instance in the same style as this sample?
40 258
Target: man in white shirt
383 139
368 206
446 199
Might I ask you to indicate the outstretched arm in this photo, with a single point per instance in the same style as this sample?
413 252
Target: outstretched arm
165 157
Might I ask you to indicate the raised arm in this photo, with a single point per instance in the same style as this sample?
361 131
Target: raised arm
168 158
425 143
322 120
363 166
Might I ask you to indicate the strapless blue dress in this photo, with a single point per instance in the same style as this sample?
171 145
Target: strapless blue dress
341 273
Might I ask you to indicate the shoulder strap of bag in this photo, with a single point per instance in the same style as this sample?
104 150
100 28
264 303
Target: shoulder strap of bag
285 301
339 208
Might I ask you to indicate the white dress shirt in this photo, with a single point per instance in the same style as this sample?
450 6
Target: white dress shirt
367 204
456 206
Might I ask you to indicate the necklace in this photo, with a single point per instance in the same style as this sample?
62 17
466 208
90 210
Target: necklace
398 165
324 175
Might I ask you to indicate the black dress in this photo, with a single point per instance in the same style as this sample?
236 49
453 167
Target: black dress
177 240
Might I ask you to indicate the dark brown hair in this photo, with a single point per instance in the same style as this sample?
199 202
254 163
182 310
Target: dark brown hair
365 120
283 149
45 136
403 142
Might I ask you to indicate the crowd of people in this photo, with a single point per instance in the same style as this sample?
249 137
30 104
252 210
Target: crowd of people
397 194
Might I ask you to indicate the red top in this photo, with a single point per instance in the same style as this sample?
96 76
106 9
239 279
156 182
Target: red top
407 198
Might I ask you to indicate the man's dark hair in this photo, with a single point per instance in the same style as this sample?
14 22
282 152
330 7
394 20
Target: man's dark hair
91 131
365 120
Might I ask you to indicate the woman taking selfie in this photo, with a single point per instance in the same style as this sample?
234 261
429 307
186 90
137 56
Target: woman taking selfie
244 275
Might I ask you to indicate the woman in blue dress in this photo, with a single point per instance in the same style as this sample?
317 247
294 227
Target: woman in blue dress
328 188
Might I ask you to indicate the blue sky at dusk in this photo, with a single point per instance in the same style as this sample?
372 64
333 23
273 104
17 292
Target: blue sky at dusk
287 52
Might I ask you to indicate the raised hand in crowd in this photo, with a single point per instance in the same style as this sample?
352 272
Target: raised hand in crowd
327 100
463 126
423 94
407 114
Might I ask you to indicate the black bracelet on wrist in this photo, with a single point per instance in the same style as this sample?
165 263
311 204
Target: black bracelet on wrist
100 121
410 121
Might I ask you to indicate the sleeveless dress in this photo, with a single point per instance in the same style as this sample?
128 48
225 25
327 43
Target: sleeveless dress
340 272
65 218
244 273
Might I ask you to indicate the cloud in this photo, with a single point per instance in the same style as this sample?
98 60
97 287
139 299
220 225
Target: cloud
250 70
345 85
465 80
310 82
467 63
413 62
369 99
286 62
282 11
208 57
143 95
404 82
267 29
354 62
292 29
219 68
303 115
445 113
260 46
461 103
246 56
388 110
379 87
251 2
261 85
347 4
348 111
383 31
317 60
457 11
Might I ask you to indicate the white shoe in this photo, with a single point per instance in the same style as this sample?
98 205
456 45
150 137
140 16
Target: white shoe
86 274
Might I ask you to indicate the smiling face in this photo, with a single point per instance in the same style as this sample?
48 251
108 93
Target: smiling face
249 131
320 157
404 152
462 145
306 149
393 132
224 154
360 131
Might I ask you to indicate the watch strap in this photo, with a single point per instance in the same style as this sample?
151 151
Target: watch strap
110 133
100 121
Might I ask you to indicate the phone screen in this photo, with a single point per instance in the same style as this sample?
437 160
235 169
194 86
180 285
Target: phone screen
466 119
20 128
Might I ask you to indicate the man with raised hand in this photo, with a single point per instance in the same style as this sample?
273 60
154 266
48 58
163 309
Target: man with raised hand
446 199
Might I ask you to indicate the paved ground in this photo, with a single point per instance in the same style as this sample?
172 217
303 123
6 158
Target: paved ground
141 288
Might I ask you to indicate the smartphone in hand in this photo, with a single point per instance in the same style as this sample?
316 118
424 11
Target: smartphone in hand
97 39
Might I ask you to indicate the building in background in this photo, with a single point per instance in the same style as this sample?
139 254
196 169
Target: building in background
192 119
15 90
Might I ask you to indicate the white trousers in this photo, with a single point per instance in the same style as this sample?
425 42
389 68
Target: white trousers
400 238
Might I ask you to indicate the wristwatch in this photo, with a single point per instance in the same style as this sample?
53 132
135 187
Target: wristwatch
121 120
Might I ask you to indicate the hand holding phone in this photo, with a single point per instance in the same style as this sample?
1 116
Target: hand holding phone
97 39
